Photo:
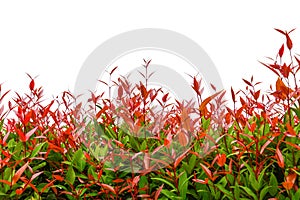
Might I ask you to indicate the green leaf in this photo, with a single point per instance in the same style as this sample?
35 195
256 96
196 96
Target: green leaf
11 143
143 145
168 194
274 185
192 161
249 192
205 123
70 176
143 181
264 191
183 184
297 195
237 191
79 160
297 112
67 163
252 179
91 171
37 149
164 181
225 192
261 177
43 164
230 178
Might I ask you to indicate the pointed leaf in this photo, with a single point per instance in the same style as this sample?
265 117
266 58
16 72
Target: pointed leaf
281 50
279 157
18 174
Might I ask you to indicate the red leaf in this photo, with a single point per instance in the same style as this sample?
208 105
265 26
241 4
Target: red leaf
31 85
207 171
247 82
282 88
30 133
46 186
108 187
112 71
290 181
291 31
279 158
164 98
6 182
47 109
213 87
35 175
21 135
205 181
221 160
143 91
196 86
180 158
256 94
120 92
266 144
182 138
18 174
232 95
281 50
291 131
280 31
58 177
207 100
157 193
289 42
271 68
118 180
19 191
168 140
101 111
135 180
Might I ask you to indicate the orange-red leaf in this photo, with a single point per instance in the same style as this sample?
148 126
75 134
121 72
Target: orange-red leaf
19 191
157 193
289 42
108 187
232 95
30 133
290 181
112 71
164 98
58 177
18 174
281 50
280 31
290 131
207 171
180 158
31 85
207 100
144 91
279 157
205 181
182 138
221 160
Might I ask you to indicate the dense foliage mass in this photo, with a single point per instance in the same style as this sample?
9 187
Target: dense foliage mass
138 145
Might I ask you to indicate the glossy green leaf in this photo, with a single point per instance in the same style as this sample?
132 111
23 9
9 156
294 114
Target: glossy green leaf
183 184
79 160
37 149
70 176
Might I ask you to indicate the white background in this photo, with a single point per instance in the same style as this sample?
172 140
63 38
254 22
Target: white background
52 39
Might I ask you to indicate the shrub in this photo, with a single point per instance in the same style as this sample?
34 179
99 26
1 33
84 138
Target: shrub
140 146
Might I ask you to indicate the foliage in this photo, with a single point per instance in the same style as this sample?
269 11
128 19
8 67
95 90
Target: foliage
138 145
